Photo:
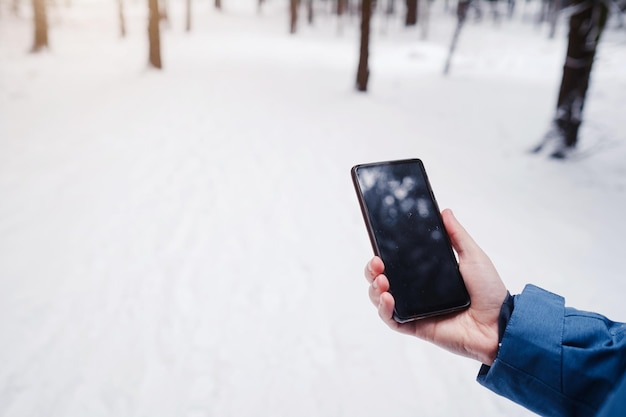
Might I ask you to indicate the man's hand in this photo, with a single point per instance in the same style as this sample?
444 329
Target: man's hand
472 332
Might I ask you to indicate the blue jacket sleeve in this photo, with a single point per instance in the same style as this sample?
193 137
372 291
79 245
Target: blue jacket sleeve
555 360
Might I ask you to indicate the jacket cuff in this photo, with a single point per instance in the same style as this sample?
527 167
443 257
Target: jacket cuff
505 315
527 369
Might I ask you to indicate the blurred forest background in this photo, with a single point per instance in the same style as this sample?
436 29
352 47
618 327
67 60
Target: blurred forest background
46 14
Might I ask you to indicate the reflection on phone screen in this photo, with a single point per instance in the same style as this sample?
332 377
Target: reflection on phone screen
411 238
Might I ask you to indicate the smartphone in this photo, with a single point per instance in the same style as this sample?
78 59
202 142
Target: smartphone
407 232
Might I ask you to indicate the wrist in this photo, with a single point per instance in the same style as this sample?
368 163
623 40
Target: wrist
490 351
506 310
481 340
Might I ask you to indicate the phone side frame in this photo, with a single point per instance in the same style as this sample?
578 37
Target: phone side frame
364 212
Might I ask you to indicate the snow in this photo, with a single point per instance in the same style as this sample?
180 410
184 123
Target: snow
188 242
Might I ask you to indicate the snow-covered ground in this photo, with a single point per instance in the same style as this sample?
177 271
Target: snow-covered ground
188 242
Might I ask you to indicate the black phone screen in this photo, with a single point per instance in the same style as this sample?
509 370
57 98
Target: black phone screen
407 232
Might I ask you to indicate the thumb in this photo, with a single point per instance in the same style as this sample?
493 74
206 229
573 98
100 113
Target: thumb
461 241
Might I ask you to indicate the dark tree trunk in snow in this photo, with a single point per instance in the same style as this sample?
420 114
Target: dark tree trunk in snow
122 20
40 21
309 14
293 15
188 15
585 28
424 17
411 13
363 71
342 5
461 14
154 35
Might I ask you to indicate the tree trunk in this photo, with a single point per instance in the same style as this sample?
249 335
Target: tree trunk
553 17
154 35
309 11
120 14
40 21
424 17
342 5
293 21
411 13
585 28
218 4
188 15
363 71
461 15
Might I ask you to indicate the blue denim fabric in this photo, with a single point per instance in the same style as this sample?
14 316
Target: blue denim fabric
559 361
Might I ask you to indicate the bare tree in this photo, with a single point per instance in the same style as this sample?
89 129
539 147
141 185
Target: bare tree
342 6
424 17
188 15
461 15
389 10
120 14
40 21
154 35
411 13
586 25
363 71
553 16
293 21
309 13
